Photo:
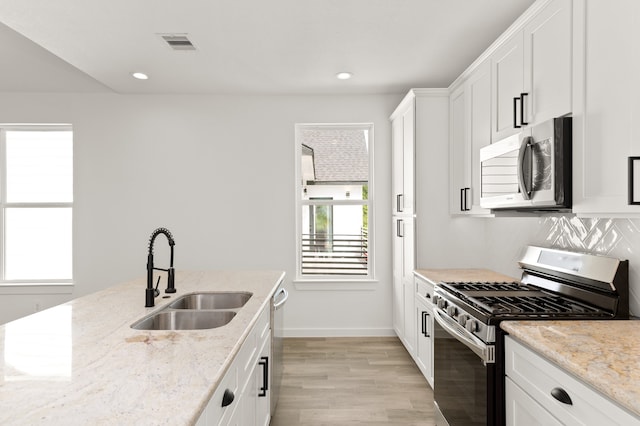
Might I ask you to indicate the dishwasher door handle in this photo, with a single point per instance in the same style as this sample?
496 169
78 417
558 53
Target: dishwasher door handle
278 305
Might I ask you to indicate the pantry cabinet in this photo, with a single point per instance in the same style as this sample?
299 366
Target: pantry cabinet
532 73
606 128
419 147
538 392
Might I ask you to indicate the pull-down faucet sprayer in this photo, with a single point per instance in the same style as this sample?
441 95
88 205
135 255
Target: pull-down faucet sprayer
152 292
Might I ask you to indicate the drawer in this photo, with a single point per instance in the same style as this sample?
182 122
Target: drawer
538 377
424 290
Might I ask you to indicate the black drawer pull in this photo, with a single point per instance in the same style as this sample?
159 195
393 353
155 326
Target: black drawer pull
227 398
561 395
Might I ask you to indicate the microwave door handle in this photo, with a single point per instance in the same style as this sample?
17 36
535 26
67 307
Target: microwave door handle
522 184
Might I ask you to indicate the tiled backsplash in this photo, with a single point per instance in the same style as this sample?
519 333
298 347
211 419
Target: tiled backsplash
612 237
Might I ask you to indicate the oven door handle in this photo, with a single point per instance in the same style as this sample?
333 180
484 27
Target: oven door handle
484 351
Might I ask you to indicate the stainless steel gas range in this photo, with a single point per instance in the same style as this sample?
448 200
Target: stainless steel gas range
468 342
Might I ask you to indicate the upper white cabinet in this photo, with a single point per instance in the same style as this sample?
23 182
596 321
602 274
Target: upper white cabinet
606 124
507 70
469 118
403 129
531 71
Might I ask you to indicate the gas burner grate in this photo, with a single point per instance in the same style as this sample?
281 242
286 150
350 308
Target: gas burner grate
484 286
523 305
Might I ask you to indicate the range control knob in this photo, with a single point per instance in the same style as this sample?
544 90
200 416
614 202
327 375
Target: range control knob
435 299
462 319
452 311
471 325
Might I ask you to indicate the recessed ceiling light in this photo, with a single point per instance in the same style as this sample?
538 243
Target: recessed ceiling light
140 76
344 75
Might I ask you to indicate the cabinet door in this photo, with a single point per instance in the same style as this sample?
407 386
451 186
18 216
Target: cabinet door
547 63
408 151
606 129
507 79
397 168
459 155
478 96
424 344
398 287
263 385
410 334
408 249
403 153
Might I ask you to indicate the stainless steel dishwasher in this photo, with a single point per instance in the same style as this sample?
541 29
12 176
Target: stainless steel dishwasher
277 304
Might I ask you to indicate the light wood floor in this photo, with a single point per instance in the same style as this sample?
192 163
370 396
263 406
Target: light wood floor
351 381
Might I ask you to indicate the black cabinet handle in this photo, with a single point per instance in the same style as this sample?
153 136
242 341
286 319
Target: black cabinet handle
515 113
399 228
561 395
463 199
264 362
227 398
399 203
522 122
428 296
425 332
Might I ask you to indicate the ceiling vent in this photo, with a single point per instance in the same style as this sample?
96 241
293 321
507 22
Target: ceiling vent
178 42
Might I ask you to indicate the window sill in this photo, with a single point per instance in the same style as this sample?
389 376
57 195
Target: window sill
335 284
36 288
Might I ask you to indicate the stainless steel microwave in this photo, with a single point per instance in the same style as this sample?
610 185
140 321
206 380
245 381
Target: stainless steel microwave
530 170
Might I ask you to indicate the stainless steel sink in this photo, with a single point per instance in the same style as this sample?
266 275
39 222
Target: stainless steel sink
184 320
202 301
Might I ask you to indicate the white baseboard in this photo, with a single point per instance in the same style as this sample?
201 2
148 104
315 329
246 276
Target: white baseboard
338 332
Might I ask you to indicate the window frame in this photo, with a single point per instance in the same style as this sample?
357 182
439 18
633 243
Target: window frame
52 286
324 281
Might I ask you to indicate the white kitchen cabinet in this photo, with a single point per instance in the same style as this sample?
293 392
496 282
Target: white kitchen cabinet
470 122
419 135
424 328
606 128
244 380
531 382
532 72
403 293
459 153
403 141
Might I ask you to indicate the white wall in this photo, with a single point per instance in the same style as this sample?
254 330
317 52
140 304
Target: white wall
218 171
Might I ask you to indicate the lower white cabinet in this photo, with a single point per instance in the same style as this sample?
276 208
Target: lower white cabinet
242 397
539 392
423 320
424 346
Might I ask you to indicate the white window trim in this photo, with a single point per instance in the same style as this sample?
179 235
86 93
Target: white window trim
32 286
335 282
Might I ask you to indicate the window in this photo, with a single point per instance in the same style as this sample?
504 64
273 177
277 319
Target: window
36 200
333 203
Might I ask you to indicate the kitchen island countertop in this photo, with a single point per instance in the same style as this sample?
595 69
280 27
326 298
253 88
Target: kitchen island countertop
82 363
603 354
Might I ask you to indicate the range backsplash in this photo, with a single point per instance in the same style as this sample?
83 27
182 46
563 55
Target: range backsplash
612 237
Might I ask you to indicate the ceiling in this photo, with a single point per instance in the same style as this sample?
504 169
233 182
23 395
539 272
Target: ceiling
245 46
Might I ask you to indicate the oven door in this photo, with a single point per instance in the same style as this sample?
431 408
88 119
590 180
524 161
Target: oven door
464 376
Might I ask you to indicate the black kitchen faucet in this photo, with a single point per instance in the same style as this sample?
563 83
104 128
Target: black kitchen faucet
151 291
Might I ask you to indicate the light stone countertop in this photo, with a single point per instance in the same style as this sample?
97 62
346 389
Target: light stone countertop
604 354
82 363
462 275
